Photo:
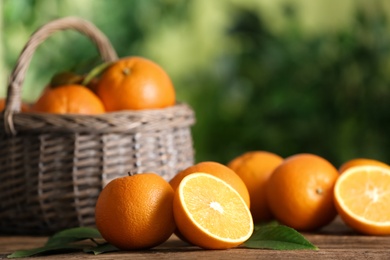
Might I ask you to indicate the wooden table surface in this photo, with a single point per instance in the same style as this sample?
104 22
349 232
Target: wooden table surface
336 241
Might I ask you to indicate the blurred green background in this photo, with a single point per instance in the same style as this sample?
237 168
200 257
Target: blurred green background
286 76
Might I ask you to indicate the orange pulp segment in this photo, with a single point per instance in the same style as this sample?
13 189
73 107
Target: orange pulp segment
362 198
210 213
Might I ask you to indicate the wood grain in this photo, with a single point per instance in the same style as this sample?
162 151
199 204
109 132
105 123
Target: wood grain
335 241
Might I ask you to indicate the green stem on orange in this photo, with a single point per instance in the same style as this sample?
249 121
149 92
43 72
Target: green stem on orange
126 71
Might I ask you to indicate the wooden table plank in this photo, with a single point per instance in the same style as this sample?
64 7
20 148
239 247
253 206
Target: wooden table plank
335 241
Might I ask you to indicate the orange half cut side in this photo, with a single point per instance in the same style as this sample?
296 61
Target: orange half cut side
210 213
362 198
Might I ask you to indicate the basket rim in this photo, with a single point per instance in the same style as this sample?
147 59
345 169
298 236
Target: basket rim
125 121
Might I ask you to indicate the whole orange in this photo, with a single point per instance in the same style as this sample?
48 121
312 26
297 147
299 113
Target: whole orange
300 192
361 162
69 99
136 212
135 83
218 170
255 168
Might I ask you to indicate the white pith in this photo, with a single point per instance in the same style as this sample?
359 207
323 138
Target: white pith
214 205
372 192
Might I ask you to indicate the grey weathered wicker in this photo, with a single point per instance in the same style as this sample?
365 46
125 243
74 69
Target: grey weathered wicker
52 167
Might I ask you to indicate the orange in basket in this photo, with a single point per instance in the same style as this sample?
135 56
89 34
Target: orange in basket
53 166
135 83
69 99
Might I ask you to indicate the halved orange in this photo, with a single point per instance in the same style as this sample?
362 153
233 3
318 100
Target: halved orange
210 213
362 199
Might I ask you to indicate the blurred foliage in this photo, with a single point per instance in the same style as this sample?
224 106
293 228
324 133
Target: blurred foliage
284 76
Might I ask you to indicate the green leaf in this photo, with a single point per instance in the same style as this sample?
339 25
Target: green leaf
54 249
103 248
95 72
61 242
73 235
278 237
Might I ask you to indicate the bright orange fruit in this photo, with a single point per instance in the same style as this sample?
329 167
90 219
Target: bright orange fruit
69 99
300 192
217 169
134 83
136 212
210 213
361 161
362 199
255 168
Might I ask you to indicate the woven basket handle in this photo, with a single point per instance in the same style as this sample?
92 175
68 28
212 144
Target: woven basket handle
13 101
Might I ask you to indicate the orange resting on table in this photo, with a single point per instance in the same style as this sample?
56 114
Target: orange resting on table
300 192
210 213
362 199
135 212
255 168
217 169
361 161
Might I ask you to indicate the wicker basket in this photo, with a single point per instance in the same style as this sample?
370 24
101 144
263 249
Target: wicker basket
52 167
